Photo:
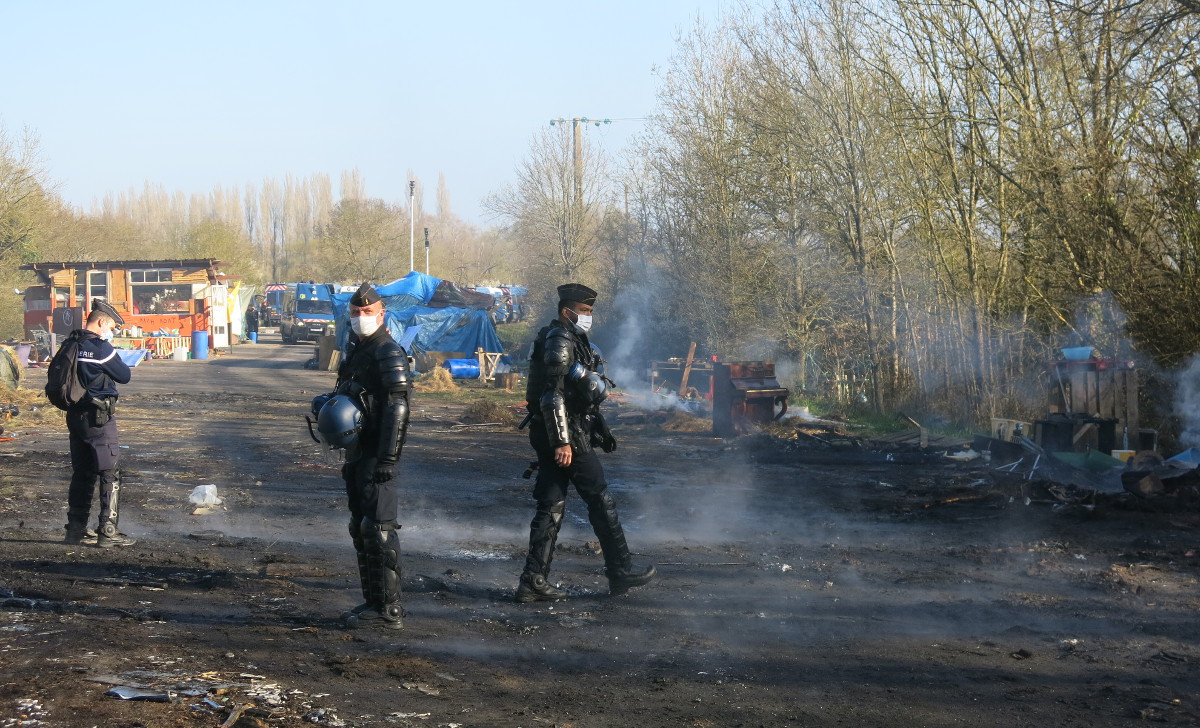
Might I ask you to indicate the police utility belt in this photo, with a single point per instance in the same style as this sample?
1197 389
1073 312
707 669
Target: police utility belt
100 409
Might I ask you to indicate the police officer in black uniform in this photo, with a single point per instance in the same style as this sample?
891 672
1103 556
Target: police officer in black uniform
95 448
564 393
251 320
375 373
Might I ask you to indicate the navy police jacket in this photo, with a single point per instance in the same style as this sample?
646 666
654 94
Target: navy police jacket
100 369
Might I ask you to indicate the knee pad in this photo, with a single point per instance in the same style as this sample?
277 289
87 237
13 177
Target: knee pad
380 539
554 509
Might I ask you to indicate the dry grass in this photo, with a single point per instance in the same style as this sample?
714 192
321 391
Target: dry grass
10 368
436 380
680 421
487 410
35 409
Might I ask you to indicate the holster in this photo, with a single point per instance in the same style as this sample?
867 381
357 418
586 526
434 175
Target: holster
102 411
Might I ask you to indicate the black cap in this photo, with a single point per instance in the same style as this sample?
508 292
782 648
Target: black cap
577 292
105 308
364 296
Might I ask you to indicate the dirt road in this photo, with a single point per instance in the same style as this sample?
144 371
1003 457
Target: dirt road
790 595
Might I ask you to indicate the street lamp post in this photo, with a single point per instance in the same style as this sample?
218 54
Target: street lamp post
426 251
412 218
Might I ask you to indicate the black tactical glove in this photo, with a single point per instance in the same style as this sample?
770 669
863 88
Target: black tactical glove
602 437
383 473
608 443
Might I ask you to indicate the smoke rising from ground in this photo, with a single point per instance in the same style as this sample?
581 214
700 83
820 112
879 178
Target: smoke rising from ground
1187 402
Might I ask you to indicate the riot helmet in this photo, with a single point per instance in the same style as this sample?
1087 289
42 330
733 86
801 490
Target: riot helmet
339 422
590 384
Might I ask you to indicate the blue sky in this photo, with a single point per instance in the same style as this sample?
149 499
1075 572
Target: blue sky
195 95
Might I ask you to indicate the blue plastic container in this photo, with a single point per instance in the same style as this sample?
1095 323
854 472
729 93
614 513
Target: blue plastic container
1077 353
463 368
253 337
199 344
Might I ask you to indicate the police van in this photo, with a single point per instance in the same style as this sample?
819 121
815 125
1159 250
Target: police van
307 311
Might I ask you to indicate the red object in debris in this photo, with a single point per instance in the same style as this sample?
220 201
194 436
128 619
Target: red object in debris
745 394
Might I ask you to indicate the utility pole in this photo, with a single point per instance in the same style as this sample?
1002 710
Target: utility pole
412 219
426 251
575 211
577 124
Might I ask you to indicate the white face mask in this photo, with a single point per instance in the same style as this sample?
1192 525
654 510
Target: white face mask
583 322
364 326
107 335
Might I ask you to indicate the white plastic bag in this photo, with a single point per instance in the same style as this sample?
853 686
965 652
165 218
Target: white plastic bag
205 495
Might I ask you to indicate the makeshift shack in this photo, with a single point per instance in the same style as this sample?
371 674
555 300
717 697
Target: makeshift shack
169 297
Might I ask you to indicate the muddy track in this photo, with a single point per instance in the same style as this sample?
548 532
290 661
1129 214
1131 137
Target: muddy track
790 594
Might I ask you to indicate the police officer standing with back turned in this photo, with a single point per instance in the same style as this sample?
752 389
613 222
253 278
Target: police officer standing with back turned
564 394
375 374
95 450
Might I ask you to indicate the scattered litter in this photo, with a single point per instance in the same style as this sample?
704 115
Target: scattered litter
964 456
323 715
206 535
30 711
205 495
421 716
427 689
125 692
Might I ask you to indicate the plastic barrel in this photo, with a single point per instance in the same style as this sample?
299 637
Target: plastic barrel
463 368
253 337
199 344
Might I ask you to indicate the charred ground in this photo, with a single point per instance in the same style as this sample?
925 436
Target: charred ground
790 593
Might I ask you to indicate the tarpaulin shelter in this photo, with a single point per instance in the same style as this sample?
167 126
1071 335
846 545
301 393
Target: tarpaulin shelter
450 317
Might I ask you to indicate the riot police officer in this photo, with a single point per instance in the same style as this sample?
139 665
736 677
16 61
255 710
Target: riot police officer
374 377
95 446
564 393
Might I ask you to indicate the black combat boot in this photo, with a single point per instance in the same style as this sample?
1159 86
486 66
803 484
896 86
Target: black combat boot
108 536
383 578
77 531
543 533
618 563
364 579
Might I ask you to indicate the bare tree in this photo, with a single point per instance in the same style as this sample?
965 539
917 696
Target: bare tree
555 206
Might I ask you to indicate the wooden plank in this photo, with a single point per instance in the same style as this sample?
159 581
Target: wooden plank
1132 420
1107 384
1093 390
199 275
687 370
118 290
1083 392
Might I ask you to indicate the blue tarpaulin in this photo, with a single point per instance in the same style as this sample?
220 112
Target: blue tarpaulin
132 357
445 328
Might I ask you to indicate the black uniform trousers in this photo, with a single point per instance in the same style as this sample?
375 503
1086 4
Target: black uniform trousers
553 480
95 453
368 499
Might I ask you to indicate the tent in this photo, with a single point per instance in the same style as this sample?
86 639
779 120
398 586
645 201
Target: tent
449 317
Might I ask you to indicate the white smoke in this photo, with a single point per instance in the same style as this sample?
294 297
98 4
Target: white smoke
625 363
1187 402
